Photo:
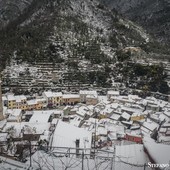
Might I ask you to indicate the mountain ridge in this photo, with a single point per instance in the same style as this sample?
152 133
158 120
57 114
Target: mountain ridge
151 15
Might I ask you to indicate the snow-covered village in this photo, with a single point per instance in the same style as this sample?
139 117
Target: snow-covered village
84 85
84 131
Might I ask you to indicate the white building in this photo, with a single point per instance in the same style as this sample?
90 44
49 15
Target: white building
84 93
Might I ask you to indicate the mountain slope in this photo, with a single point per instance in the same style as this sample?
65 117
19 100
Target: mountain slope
153 15
68 22
10 10
69 42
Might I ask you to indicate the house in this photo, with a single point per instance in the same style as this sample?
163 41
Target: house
31 104
167 114
106 112
11 101
112 93
62 137
116 131
135 98
164 133
41 116
91 99
149 127
153 107
2 124
125 116
57 113
137 117
48 95
84 111
40 103
131 110
3 140
134 137
16 130
4 101
57 98
114 117
71 99
15 115
121 99
84 93
21 102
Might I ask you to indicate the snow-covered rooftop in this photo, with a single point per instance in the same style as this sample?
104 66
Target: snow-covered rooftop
65 135
130 157
158 152
41 116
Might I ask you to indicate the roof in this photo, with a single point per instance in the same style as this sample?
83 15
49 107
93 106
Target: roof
32 102
113 92
115 116
14 112
86 92
65 135
41 116
4 98
10 97
3 137
125 115
69 96
130 157
50 161
150 125
39 127
12 164
48 94
57 94
158 152
91 96
20 98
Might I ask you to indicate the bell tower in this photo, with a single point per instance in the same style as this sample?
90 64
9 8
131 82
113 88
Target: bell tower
1 107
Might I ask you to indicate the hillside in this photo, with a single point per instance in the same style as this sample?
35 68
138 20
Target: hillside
72 42
151 15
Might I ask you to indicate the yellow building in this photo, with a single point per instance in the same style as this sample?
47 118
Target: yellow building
57 98
91 99
40 104
70 99
11 101
53 98
21 102
31 104
137 117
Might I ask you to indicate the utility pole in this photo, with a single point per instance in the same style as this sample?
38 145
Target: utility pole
95 135
30 153
83 160
145 166
113 160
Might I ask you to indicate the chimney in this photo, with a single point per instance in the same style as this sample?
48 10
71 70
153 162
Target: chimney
1 107
77 147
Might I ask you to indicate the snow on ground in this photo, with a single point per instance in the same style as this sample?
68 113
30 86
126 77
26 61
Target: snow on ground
51 161
159 152
39 128
131 157
9 164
